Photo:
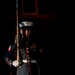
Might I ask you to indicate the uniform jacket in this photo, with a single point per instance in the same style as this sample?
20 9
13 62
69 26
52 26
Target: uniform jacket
10 54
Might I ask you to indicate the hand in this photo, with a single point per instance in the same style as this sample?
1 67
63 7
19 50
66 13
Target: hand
15 63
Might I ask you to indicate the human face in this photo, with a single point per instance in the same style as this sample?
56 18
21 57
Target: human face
25 33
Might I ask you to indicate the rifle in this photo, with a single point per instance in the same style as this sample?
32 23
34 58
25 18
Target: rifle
17 36
17 31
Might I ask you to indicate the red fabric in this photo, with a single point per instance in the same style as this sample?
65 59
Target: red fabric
9 48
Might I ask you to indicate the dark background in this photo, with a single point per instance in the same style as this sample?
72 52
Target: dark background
50 30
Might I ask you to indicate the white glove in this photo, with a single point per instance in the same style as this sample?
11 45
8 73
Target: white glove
15 63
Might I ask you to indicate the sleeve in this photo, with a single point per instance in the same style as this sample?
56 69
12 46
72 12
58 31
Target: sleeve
7 55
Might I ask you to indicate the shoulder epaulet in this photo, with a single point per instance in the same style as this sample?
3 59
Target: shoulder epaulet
9 48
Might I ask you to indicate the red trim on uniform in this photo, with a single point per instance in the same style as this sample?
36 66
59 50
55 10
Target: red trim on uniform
9 48
27 49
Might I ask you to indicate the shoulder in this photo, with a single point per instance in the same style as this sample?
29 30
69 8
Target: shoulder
11 47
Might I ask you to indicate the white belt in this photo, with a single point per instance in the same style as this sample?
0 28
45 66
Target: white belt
32 61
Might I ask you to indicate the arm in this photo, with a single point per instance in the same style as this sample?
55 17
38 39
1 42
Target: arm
8 53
